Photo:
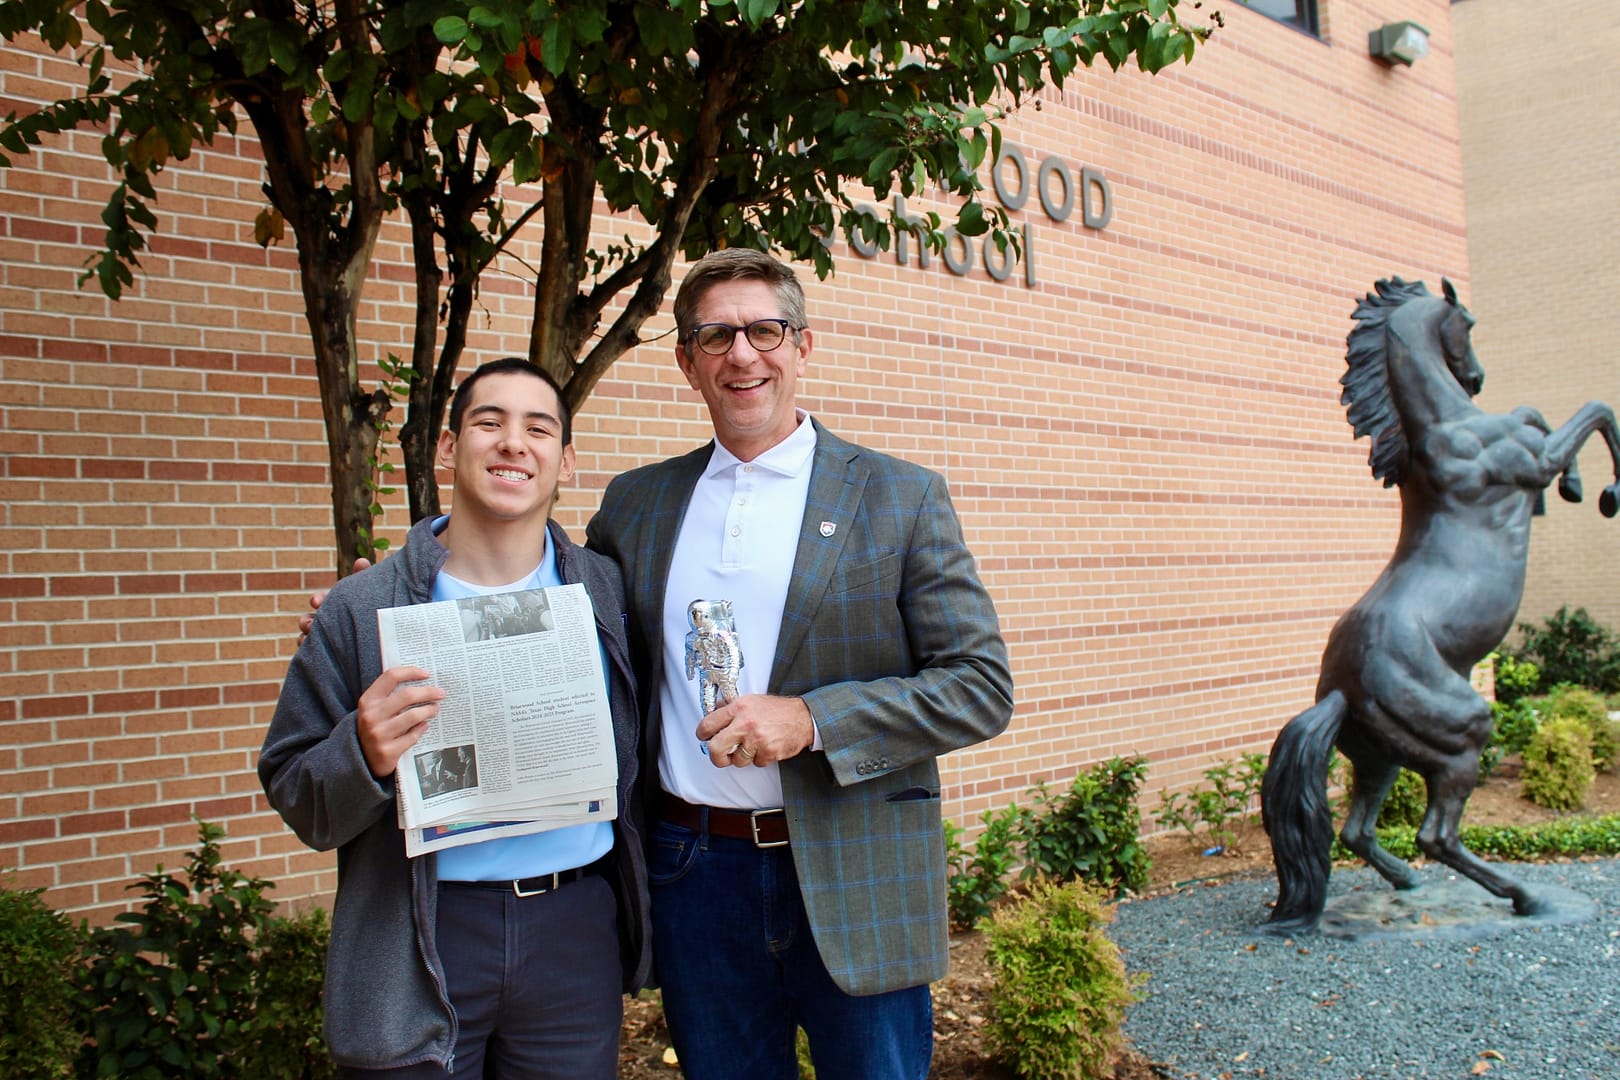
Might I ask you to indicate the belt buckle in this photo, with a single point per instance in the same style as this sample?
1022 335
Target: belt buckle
549 886
753 823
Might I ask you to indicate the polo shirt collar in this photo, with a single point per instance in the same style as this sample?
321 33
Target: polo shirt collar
790 457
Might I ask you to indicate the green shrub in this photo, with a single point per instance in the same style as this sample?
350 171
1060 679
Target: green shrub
1573 647
172 994
1404 805
1567 836
1092 831
1513 725
1514 716
1590 708
1562 837
40 955
1059 989
980 878
1558 765
1406 801
1567 699
1222 807
801 1051
1514 677
286 1036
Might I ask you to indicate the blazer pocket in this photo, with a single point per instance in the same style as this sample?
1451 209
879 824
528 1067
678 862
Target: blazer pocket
913 794
863 576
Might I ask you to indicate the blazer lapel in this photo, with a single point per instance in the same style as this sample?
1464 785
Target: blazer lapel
663 514
836 485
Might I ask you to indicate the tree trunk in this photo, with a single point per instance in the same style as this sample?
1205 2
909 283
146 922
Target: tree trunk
353 417
420 433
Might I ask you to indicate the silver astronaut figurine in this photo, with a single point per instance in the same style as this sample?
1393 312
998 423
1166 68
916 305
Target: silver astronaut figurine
713 652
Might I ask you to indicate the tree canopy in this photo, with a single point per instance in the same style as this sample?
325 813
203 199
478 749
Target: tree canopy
716 122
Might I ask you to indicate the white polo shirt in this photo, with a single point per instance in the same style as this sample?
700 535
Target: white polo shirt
737 542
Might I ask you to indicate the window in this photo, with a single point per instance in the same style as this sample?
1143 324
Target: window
1300 14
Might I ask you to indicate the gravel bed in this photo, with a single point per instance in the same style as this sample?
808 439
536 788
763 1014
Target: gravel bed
1222 1001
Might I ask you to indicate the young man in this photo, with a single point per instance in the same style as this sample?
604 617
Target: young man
506 958
798 861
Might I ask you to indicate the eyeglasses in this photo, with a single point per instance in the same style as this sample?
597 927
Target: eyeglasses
715 338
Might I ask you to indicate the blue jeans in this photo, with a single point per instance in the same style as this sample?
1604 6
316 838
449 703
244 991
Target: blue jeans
740 972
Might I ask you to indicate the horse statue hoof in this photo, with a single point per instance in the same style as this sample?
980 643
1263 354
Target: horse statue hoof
1569 488
1531 904
1609 501
1289 927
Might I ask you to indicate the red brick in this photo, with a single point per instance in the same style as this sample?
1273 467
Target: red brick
22 586
106 821
167 814
17 832
40 708
125 702
142 584
113 470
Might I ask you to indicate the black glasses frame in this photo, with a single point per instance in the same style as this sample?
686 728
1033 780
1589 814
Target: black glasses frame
695 336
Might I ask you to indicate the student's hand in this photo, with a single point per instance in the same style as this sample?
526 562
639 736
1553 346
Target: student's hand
394 713
757 729
317 599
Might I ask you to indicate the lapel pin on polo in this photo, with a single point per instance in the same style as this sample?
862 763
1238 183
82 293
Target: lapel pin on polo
828 528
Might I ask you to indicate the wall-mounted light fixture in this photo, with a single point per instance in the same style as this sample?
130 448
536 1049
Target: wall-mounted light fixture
1399 43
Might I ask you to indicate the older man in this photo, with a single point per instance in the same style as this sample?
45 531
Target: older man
797 864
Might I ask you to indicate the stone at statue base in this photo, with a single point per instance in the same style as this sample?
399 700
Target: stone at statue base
1452 909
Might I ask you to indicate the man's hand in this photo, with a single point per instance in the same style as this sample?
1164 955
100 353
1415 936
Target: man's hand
757 729
317 599
394 713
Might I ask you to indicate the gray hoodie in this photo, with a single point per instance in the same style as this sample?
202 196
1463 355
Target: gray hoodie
385 1000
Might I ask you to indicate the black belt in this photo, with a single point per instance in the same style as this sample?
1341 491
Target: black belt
766 828
533 886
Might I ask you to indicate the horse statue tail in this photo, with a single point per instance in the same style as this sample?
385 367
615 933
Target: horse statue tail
1294 808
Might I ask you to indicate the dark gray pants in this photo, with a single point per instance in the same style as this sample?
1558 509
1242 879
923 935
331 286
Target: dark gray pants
535 982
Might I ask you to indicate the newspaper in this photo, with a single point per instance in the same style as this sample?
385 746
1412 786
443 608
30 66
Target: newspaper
524 740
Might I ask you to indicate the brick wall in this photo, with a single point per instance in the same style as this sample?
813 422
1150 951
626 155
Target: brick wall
1146 446
1540 122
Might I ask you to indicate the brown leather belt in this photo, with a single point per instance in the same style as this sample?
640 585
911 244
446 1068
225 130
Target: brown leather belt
766 828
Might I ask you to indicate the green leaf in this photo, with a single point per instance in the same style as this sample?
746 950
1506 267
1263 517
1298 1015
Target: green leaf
450 29
755 12
526 164
356 101
883 164
286 47
338 66
554 40
973 149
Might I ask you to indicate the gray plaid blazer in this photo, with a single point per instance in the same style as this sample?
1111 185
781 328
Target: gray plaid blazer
892 642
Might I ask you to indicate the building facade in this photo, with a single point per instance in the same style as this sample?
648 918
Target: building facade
1540 122
1141 430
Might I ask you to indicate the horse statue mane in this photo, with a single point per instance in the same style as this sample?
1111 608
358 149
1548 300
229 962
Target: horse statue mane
1369 407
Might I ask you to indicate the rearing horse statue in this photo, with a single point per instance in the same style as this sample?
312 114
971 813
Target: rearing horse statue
1394 687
